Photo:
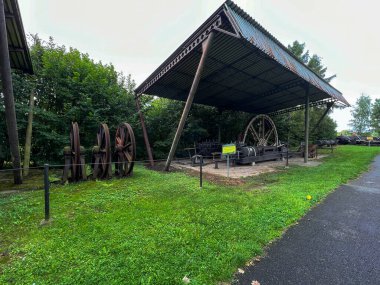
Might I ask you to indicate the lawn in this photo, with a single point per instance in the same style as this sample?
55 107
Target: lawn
156 228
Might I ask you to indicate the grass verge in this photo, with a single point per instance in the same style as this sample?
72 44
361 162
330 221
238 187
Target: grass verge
156 228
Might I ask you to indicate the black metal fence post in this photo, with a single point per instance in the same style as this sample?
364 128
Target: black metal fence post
193 161
200 171
47 194
287 156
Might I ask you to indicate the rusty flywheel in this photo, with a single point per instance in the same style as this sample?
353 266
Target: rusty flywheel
74 157
125 150
261 131
101 152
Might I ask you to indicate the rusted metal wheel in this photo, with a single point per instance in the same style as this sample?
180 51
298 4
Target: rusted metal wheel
74 157
102 167
261 131
125 150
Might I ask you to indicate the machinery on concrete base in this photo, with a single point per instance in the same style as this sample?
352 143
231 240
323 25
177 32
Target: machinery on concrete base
260 142
250 154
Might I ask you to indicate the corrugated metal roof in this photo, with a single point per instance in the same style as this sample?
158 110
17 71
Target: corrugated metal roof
18 48
247 69
262 39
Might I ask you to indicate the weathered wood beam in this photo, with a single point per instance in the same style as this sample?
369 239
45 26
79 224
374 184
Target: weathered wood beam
205 49
145 133
10 112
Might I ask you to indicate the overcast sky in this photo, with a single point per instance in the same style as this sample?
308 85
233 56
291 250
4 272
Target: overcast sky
137 36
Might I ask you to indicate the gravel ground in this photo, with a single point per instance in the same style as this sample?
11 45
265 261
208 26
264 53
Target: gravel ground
241 171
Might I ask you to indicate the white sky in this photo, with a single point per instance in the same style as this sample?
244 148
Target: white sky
137 36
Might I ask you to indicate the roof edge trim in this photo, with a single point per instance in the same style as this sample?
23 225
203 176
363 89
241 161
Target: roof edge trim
231 5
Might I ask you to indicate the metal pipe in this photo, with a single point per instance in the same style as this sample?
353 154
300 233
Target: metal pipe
307 115
47 194
10 112
228 165
288 144
145 133
205 49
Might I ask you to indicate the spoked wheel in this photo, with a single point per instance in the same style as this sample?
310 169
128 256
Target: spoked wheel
74 157
125 150
102 167
261 131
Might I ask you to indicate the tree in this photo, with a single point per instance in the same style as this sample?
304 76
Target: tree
72 87
203 123
314 62
28 136
294 123
298 50
375 117
29 129
69 86
361 115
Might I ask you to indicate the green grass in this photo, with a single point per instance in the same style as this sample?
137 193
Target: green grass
33 181
155 228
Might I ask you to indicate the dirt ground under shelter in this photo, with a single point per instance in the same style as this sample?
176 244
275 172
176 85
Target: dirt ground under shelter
242 171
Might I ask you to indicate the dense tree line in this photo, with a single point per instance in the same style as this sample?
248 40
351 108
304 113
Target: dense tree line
203 123
69 86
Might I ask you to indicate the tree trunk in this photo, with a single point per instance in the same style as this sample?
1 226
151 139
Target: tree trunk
10 112
28 137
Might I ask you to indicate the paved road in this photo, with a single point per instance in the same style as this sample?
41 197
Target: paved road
338 242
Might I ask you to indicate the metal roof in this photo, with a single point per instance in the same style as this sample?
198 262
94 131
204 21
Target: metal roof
18 48
247 69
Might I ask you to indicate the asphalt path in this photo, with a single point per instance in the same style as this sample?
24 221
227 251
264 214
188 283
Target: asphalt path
337 242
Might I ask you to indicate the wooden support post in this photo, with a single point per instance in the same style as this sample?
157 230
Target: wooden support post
145 133
329 105
205 49
28 136
307 114
10 112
